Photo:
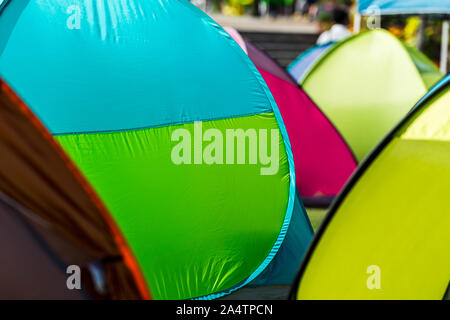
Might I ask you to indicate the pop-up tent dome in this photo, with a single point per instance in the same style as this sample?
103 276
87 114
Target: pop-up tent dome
323 161
51 219
300 66
150 115
367 83
387 236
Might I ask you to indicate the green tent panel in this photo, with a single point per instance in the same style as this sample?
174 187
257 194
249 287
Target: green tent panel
387 236
368 83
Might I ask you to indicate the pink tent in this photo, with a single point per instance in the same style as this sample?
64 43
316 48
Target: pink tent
323 161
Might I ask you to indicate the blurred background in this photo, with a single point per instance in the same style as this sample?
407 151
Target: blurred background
286 28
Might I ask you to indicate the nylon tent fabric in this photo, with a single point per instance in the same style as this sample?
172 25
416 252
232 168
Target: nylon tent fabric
387 235
323 160
405 6
236 37
51 218
125 92
368 83
300 66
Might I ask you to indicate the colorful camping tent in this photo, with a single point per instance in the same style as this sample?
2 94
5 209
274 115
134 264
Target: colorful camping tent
387 236
138 106
323 161
367 83
51 219
300 66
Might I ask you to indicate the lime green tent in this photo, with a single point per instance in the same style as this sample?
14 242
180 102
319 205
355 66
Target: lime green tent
387 236
367 83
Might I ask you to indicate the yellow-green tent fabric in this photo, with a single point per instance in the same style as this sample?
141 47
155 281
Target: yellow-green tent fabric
367 83
387 236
